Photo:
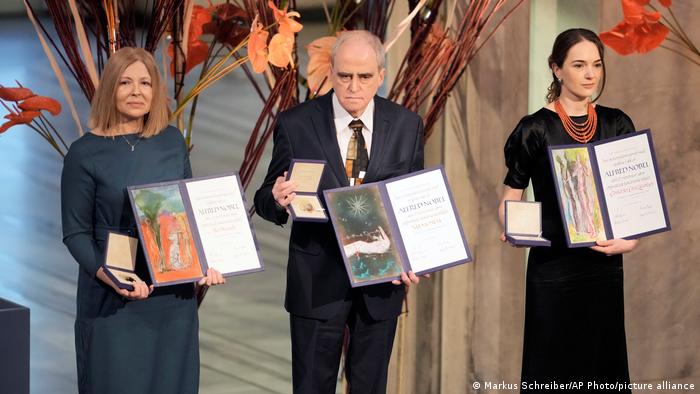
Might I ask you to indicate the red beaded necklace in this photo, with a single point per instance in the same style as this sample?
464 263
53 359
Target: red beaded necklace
582 132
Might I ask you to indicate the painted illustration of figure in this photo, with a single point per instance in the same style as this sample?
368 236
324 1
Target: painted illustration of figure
582 176
185 242
579 220
569 197
174 251
379 244
167 227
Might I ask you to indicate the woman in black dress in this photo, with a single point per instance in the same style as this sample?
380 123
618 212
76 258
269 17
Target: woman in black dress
145 340
574 308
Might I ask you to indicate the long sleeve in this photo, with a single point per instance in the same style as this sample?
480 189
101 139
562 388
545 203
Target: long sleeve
77 212
265 204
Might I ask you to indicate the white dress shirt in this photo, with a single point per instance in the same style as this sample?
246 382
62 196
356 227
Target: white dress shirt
342 120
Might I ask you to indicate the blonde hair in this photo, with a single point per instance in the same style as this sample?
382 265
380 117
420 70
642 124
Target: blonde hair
103 113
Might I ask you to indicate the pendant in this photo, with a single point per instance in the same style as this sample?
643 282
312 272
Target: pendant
132 148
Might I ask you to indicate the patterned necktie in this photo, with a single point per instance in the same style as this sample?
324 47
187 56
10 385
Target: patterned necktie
357 159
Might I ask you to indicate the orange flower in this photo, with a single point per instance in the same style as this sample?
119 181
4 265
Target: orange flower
286 25
15 94
228 25
635 14
621 38
640 31
650 36
665 3
24 117
38 103
257 46
7 125
197 50
281 47
318 70
279 51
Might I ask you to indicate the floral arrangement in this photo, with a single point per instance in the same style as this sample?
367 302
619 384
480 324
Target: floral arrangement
217 38
259 38
25 108
645 27
244 33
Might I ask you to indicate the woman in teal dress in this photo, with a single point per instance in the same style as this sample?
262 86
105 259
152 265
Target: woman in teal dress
145 340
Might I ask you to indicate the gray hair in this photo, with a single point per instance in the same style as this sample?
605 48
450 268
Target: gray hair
360 35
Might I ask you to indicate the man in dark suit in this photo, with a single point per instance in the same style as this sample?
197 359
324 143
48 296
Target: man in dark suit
387 143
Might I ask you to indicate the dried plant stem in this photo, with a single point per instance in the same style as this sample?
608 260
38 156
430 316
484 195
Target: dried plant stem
50 128
193 108
680 53
56 69
434 64
326 12
678 30
251 77
515 7
214 73
282 96
46 136
84 44
204 83
404 24
687 39
65 30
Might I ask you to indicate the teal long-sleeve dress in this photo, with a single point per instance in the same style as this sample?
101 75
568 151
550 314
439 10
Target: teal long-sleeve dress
147 346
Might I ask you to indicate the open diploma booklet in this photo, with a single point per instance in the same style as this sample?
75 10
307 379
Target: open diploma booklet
188 225
408 223
609 189
524 223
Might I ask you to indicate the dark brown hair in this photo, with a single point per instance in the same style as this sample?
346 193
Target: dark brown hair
564 41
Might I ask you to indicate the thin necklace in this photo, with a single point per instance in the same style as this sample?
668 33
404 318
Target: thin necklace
580 132
130 144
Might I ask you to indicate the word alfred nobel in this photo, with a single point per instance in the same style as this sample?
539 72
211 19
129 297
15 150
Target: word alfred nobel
218 209
423 204
626 169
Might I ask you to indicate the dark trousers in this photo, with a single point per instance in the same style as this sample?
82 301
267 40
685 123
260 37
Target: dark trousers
317 347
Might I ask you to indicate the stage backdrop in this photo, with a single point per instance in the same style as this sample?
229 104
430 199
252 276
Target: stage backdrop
465 324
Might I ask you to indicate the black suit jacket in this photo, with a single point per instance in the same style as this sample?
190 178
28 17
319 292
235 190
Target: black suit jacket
317 282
